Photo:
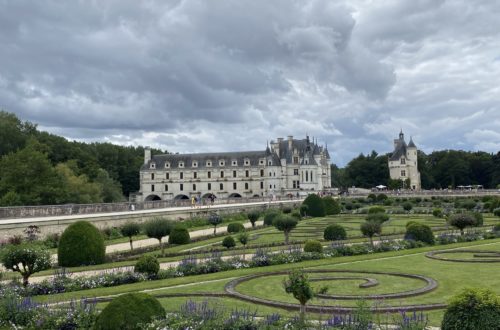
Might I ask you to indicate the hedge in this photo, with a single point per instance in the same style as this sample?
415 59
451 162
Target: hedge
316 207
81 244
179 235
235 227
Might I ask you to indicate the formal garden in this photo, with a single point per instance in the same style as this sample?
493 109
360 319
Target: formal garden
364 263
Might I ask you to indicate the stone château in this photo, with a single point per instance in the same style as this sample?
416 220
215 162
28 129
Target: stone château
286 167
403 164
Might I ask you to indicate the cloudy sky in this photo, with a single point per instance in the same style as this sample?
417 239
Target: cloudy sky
223 75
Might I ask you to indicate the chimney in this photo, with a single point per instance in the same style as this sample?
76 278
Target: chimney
290 139
147 154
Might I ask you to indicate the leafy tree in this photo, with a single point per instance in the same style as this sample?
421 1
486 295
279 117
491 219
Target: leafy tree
420 232
270 216
313 246
158 228
370 229
253 216
285 224
228 242
179 235
331 205
111 190
243 239
334 232
377 217
316 207
299 286
78 188
437 212
407 206
235 227
130 229
461 221
214 219
26 259
147 264
13 133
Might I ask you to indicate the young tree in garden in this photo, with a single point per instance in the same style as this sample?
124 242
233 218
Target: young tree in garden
228 242
285 224
129 230
26 259
158 228
370 229
461 221
214 219
298 285
243 239
253 216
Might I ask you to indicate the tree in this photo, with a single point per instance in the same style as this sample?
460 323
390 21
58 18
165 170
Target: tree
228 242
179 235
253 216
285 224
130 229
370 229
158 228
26 259
407 206
81 244
420 232
461 221
334 232
377 217
331 205
243 239
316 207
298 285
214 219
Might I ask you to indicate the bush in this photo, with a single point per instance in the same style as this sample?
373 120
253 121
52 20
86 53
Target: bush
479 219
253 216
287 210
334 232
316 207
313 246
296 215
382 197
372 198
331 206
461 221
376 209
420 232
26 259
472 309
81 244
228 242
147 264
468 204
496 228
496 212
409 223
407 206
304 210
270 216
377 217
128 311
235 227
179 235
438 213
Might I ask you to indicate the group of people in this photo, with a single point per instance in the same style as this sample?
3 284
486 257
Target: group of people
198 201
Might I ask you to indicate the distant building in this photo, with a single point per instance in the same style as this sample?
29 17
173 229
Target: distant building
285 167
403 164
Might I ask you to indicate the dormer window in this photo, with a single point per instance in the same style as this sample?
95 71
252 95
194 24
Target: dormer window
261 162
247 162
306 161
403 161
152 165
181 164
270 162
221 163
234 163
195 164
209 163
167 165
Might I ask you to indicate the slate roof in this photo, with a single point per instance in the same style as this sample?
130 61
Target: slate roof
401 148
411 144
306 150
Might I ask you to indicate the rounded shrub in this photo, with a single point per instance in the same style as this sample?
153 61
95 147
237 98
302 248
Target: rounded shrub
412 222
376 209
331 206
296 215
479 219
147 264
407 206
287 210
334 232
235 227
313 246
228 242
472 309
377 217
253 216
496 212
304 210
270 216
420 232
468 204
496 228
316 207
127 311
437 212
81 244
179 235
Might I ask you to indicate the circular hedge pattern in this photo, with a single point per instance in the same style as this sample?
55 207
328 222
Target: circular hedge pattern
81 244
478 256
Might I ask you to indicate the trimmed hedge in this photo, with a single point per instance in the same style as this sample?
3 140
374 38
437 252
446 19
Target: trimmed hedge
334 232
179 235
228 242
270 216
377 217
147 264
313 246
81 244
235 227
127 311
316 207
331 206
420 232
376 209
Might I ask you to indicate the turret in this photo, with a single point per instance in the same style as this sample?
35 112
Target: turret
147 154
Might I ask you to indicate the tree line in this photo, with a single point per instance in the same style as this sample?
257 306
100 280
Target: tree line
39 168
438 170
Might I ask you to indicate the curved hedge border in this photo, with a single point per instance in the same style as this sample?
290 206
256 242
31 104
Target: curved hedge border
481 254
230 288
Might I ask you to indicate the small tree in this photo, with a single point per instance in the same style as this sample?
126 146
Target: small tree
235 227
331 205
407 206
26 259
437 212
370 229
147 264
285 224
158 228
298 285
461 221
243 239
32 232
228 242
130 229
315 204
253 216
419 232
334 232
179 235
214 219
377 217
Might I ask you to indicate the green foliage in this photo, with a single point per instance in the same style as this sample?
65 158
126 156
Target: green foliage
313 246
420 232
296 215
158 228
407 206
334 232
253 216
376 209
377 217
316 207
228 242
496 212
468 204
479 219
304 210
437 212
367 171
147 264
496 227
214 219
461 221
299 286
332 206
287 210
26 259
130 229
127 311
179 235
243 238
81 244
370 229
472 309
235 227
382 197
270 215
286 224
409 223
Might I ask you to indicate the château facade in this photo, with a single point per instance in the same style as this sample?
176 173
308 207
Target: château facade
291 166
403 164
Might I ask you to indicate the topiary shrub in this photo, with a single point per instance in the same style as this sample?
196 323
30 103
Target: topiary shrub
496 212
313 246
376 209
316 207
331 206
334 232
235 227
81 244
407 206
420 232
147 264
253 216
228 242
270 216
179 235
304 209
468 204
378 217
287 210
461 221
127 311
371 198
382 197
472 309
409 223
437 212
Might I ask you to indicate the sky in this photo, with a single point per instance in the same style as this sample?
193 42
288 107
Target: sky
226 75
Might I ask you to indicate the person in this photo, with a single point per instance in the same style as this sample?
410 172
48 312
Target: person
193 201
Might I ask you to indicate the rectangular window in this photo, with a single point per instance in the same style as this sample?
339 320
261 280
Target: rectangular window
247 174
403 161
270 186
166 187
152 187
181 187
209 186
261 172
262 185
194 187
181 175
167 176
221 174
246 185
294 184
295 160
221 186
234 185
152 176
195 175
295 171
403 173
209 174
234 174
